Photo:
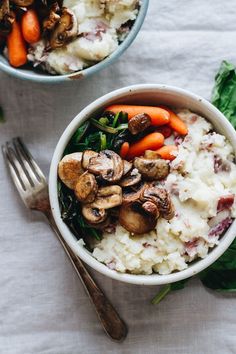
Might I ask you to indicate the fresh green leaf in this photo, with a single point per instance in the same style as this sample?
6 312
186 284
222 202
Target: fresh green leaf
2 118
224 92
162 293
165 290
221 275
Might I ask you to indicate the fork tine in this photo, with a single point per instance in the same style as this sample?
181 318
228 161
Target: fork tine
29 159
13 171
16 163
29 171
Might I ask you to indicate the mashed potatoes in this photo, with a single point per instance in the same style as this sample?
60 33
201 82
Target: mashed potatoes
202 184
100 29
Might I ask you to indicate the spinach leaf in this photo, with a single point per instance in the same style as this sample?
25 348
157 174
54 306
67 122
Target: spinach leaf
71 215
96 134
221 275
167 289
224 92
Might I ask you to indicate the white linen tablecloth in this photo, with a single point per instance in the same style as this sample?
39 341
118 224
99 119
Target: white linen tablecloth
43 306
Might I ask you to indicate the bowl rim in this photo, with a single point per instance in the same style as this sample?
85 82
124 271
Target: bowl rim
153 279
78 75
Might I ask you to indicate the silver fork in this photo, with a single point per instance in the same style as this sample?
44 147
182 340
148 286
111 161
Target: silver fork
33 189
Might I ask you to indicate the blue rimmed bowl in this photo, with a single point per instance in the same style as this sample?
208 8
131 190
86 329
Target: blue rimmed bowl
32 75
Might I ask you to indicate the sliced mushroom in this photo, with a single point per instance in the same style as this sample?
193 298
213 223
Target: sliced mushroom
108 197
23 3
132 178
93 215
108 165
87 154
152 169
135 220
150 154
101 225
70 169
161 198
151 208
53 17
6 18
139 123
86 188
127 167
133 193
65 30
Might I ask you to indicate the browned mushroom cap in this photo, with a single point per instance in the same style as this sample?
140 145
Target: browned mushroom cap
135 220
23 3
151 208
130 179
139 123
108 165
101 225
86 188
52 18
70 169
152 169
107 197
6 18
161 198
150 154
127 167
93 215
65 30
87 154
133 193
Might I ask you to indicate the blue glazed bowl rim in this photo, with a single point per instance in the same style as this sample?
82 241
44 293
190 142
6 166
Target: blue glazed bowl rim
44 78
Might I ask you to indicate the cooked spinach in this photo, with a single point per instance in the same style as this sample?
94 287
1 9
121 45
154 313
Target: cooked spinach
71 215
221 275
96 134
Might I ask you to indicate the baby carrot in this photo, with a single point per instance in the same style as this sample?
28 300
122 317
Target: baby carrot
151 141
167 152
176 123
30 26
17 52
124 149
159 116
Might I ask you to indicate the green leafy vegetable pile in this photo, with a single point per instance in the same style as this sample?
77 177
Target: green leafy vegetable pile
107 132
221 275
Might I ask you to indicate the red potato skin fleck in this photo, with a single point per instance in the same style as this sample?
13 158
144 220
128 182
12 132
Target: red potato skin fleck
225 202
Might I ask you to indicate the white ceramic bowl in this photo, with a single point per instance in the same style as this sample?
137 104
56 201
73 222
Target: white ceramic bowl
145 95
43 77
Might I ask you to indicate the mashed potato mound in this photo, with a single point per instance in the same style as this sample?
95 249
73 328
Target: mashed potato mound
99 34
202 184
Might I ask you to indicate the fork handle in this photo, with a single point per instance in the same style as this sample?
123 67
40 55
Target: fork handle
110 320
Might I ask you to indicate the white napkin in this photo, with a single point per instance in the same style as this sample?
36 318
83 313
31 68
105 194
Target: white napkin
43 307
